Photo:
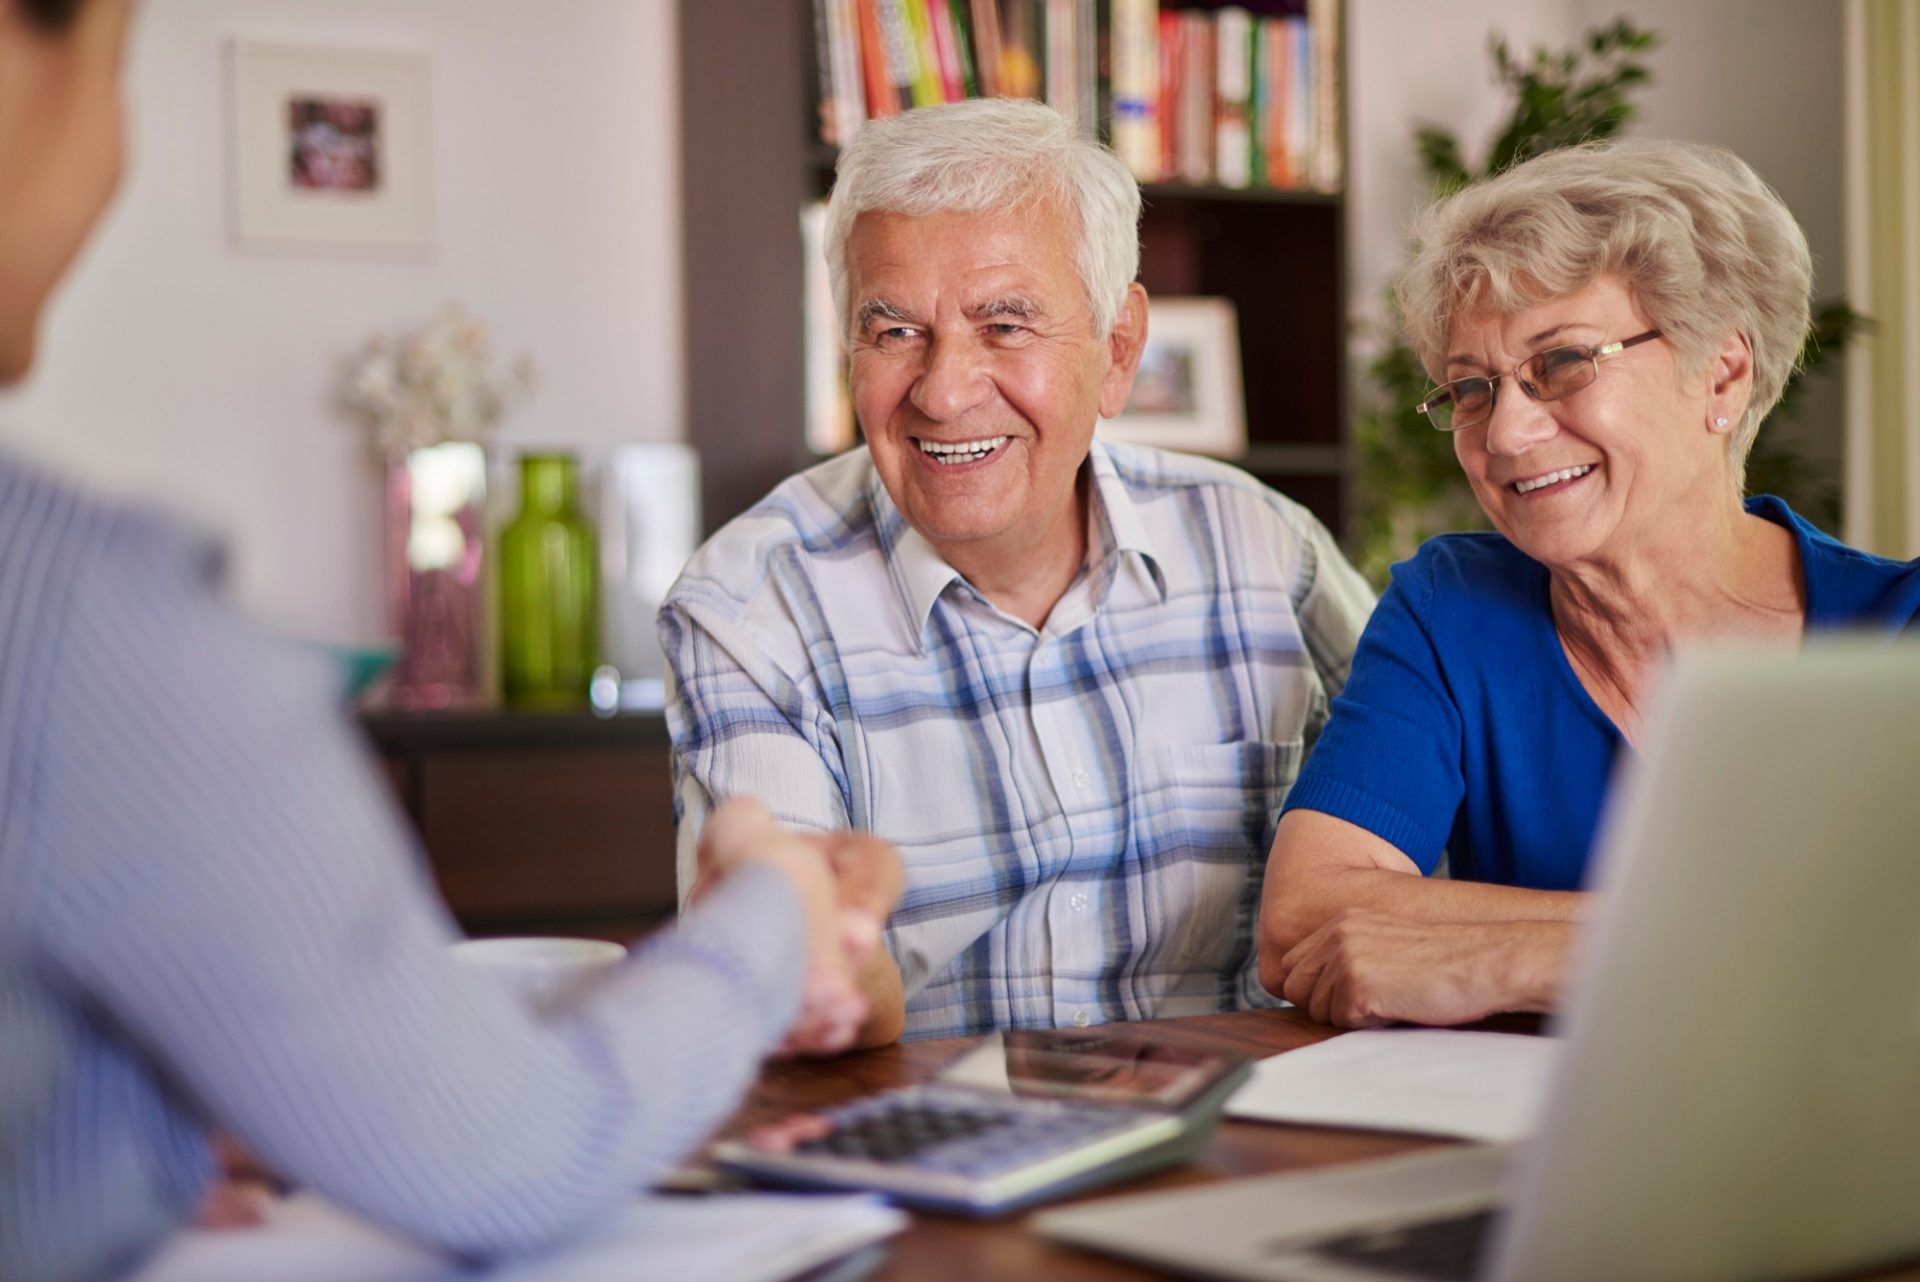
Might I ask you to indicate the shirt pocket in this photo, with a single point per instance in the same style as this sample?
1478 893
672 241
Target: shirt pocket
1203 821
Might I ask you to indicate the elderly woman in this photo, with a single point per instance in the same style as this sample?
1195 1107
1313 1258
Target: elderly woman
1608 326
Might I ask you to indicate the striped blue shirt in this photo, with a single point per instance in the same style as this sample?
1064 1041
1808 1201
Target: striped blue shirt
1084 809
210 916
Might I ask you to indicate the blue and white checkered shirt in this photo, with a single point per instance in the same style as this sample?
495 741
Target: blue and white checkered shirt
1084 810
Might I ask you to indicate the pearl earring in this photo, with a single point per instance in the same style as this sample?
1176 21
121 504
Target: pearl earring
1721 421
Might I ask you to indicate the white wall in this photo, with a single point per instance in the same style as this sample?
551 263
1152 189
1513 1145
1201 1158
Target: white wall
1766 79
1762 77
1413 63
175 366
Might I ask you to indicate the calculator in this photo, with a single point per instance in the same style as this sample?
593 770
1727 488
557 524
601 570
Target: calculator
1026 1116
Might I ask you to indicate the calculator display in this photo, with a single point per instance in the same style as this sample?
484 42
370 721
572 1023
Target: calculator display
1091 1064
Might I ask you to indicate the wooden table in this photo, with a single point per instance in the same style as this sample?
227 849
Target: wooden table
937 1248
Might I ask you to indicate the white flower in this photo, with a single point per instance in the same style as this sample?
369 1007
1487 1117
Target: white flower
433 385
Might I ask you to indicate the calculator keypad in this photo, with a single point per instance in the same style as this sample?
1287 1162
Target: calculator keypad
958 1134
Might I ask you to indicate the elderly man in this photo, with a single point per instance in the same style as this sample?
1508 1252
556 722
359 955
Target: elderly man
1072 682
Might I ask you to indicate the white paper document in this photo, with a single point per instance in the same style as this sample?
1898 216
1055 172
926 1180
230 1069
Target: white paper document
1434 1081
735 1238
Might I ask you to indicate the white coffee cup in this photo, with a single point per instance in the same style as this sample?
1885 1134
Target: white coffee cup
544 972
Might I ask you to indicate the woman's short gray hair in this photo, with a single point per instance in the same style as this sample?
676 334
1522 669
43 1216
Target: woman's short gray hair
992 155
1703 244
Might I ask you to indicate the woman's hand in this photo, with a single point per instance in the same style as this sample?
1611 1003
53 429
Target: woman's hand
1364 969
239 1199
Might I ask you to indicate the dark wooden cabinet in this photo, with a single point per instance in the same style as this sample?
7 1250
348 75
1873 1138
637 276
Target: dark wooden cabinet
538 823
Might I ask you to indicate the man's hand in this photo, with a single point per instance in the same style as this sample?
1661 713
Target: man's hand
1364 969
848 883
871 881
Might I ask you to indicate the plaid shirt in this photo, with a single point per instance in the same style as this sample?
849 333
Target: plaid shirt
1084 810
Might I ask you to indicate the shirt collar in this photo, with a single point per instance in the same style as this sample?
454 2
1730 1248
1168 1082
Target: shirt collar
920 574
1125 527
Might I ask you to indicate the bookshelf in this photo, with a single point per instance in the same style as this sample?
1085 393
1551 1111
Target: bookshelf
752 157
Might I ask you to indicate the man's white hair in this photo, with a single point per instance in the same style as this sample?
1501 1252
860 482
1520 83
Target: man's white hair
995 156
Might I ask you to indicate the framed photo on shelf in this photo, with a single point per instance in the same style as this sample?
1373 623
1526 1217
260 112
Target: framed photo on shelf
1187 394
830 422
329 149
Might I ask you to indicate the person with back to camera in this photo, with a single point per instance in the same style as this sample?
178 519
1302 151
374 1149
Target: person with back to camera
1608 325
210 916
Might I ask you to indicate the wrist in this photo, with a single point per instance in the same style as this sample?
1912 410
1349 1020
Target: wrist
1533 961
882 985
800 867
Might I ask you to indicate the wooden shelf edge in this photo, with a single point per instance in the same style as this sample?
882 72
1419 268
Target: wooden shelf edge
1297 460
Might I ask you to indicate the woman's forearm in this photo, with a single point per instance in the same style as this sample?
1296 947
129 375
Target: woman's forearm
1312 898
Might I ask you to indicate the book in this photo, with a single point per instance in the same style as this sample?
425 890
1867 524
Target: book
849 77
1327 164
1233 97
1020 50
1086 68
1194 143
1300 101
986 45
1062 94
883 99
1275 58
921 59
1173 57
1135 54
1259 105
969 78
826 82
939 52
896 50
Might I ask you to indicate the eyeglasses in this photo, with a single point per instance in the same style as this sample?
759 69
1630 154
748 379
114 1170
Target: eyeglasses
1543 376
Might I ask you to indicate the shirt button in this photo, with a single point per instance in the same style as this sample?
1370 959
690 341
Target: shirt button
1082 780
1077 901
1081 1019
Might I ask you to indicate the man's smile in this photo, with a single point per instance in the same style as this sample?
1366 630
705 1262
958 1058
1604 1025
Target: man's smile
960 453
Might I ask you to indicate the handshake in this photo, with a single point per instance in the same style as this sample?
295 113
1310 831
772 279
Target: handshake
848 883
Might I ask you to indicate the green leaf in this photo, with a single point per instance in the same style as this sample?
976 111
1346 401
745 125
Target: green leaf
1440 159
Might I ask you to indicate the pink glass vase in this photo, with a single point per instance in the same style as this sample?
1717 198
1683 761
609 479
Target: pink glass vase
436 527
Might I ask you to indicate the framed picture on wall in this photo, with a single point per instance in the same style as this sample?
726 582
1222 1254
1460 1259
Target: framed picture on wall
330 149
1187 394
830 424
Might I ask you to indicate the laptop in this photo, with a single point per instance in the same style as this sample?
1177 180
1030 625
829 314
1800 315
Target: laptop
1739 1096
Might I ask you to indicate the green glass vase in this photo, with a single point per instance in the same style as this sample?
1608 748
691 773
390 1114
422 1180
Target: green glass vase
549 590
